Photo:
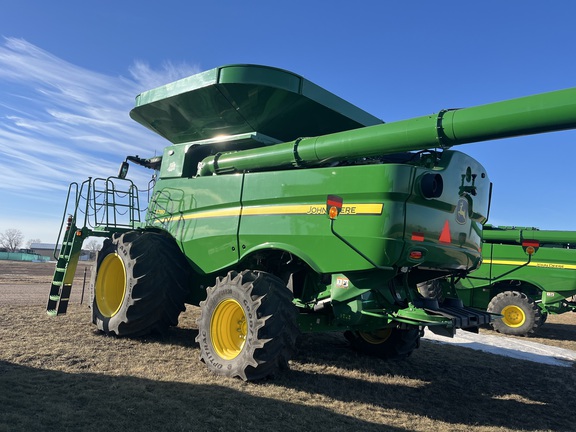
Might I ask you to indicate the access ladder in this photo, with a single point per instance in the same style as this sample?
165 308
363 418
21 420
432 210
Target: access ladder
107 209
65 269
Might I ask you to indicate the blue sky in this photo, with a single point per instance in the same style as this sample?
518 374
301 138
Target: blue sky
69 72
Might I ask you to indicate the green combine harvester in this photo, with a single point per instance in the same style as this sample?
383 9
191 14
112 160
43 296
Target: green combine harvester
526 275
279 208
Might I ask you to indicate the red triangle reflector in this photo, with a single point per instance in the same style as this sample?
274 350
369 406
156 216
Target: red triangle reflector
445 235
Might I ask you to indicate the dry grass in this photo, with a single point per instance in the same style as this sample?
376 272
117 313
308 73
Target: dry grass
60 374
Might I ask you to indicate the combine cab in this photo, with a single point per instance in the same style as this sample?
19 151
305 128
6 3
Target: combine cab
279 208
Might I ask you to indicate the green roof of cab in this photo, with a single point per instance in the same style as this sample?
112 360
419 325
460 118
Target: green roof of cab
243 98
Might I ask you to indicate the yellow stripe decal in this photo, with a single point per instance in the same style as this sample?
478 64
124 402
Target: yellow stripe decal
312 209
235 212
532 264
301 209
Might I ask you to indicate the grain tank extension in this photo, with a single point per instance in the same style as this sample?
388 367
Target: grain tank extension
279 208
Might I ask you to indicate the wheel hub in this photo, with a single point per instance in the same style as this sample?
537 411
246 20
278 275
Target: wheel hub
228 329
513 316
376 337
110 287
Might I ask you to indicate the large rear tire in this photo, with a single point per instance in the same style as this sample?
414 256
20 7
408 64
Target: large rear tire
140 284
247 326
431 290
388 343
521 315
543 318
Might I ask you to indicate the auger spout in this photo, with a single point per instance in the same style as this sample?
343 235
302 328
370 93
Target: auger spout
546 112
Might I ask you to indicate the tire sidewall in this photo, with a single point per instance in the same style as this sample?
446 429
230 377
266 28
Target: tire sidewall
112 324
210 356
519 301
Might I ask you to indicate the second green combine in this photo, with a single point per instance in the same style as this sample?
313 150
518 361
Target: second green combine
526 275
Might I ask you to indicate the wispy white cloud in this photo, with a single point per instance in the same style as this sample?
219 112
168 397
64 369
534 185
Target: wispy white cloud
61 123
149 78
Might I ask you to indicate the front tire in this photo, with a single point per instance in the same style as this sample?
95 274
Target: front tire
388 343
140 284
247 326
521 315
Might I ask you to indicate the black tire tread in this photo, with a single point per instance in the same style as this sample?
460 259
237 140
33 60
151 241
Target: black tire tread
399 346
159 271
521 300
276 326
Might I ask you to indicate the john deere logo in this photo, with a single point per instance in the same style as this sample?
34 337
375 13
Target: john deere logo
462 211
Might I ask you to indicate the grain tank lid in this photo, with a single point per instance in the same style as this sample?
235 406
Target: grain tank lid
238 99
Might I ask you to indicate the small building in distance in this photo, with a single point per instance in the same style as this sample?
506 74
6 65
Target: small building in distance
45 250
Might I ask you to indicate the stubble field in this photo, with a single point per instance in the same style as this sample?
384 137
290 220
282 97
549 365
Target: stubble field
61 374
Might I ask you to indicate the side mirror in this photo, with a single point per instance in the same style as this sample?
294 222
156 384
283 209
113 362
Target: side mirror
123 170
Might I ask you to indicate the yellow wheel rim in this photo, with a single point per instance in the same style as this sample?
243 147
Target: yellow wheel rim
376 337
513 316
110 286
228 329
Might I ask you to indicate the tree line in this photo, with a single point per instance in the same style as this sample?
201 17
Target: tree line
12 240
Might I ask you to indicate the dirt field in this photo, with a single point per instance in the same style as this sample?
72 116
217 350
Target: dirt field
28 283
61 374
